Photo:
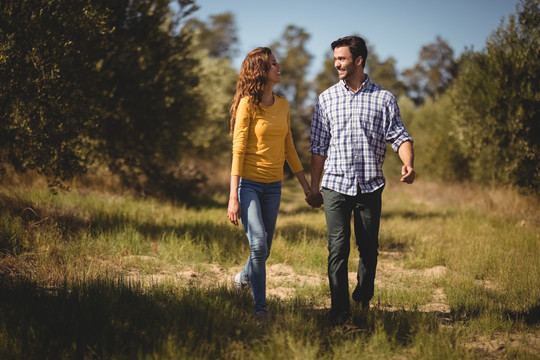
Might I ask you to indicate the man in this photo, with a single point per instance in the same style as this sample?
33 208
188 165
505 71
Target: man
352 122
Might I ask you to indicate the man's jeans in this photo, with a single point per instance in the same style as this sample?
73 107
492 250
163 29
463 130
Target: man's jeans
259 205
367 214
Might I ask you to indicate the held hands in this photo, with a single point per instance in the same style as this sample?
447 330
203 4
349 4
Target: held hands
314 199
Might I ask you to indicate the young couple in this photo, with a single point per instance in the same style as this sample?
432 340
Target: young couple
352 122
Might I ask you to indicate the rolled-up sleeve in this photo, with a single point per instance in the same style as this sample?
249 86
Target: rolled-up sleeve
396 133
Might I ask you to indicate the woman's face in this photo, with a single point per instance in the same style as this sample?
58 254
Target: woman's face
274 74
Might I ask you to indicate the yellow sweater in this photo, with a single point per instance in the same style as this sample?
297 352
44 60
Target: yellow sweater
262 141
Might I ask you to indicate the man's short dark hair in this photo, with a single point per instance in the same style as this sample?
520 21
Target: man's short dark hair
356 44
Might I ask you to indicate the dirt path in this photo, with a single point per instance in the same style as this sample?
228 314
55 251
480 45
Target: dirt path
282 280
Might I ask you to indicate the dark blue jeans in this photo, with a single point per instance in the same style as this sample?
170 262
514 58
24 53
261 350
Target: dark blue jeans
259 204
367 214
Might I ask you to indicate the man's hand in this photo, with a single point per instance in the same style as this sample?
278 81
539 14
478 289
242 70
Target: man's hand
406 154
314 199
408 174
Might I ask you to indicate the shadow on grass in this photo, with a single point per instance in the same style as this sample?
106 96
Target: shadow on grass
530 316
114 318
111 318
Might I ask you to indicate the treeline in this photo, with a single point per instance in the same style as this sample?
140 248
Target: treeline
143 87
485 127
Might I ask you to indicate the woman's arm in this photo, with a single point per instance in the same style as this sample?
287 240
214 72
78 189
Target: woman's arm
234 211
301 177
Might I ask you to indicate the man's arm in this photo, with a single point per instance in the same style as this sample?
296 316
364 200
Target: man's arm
314 197
406 154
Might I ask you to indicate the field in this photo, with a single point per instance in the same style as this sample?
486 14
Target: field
105 275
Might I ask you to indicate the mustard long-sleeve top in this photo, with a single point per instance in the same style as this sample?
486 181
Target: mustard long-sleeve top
262 141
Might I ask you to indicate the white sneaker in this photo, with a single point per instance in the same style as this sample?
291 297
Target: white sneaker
237 283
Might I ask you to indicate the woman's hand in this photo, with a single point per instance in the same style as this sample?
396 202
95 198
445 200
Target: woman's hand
234 211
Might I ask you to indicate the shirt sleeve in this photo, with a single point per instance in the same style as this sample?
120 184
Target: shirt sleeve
290 151
320 131
396 133
240 137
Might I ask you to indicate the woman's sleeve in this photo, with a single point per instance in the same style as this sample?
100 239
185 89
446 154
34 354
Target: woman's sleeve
240 137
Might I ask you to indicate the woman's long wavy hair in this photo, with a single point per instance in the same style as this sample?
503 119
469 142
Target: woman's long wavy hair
251 80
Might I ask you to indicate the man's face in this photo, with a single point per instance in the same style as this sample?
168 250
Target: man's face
344 64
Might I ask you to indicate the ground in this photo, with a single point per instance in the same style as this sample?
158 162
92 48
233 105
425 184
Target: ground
282 282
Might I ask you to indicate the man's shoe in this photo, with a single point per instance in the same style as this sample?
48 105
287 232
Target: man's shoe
339 317
357 297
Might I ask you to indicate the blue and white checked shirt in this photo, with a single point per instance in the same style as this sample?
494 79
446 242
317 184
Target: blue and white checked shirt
352 130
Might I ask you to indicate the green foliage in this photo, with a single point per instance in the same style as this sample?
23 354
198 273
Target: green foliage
496 96
97 81
48 100
293 56
433 73
385 74
436 144
218 35
327 77
213 44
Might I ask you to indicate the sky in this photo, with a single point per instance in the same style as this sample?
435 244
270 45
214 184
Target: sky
396 28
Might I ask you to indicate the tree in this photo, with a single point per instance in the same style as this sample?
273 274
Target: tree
385 74
327 77
293 56
496 95
218 36
101 80
436 139
48 98
433 73
217 82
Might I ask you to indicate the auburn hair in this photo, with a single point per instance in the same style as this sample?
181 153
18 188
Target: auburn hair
251 80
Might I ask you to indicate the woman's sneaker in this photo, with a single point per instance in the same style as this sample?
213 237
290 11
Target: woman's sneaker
237 283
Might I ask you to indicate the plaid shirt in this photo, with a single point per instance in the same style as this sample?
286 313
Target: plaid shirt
351 130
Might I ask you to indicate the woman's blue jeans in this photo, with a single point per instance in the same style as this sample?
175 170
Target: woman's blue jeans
259 205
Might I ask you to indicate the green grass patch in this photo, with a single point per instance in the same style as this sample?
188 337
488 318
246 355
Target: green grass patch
89 275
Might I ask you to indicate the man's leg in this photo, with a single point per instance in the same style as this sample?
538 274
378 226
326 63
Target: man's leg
337 209
367 216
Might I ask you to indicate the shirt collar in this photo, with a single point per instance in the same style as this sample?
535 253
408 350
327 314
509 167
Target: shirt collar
364 85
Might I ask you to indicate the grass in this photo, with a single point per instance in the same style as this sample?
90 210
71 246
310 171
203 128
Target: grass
92 275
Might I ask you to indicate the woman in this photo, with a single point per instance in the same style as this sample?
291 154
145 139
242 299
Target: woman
262 141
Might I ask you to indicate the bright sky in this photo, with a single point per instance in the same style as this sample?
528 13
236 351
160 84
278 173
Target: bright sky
397 28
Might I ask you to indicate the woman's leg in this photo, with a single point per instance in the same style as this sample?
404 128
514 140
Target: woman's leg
259 213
